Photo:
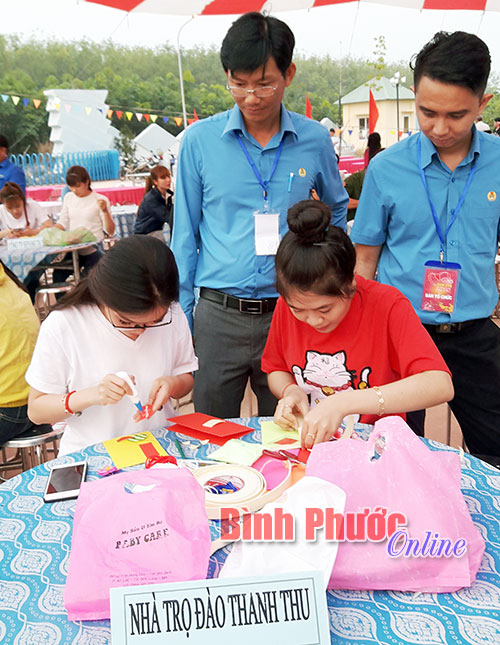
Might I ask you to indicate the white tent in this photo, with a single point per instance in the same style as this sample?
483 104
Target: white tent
153 140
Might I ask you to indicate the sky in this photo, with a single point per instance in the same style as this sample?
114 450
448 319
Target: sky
340 30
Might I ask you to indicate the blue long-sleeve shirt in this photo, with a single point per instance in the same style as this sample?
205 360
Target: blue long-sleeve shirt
217 194
11 172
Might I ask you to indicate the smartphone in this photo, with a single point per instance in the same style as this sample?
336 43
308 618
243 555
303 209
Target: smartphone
64 481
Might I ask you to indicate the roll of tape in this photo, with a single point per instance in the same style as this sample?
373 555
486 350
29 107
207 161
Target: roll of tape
240 487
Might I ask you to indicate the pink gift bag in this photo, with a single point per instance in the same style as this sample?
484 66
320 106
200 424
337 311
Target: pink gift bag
158 533
439 549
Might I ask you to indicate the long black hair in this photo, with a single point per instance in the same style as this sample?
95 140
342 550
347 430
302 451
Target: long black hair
314 256
136 275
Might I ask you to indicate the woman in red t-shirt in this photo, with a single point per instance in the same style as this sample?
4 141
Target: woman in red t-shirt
341 345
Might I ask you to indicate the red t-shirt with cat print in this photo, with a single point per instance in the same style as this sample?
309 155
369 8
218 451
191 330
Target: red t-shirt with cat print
380 340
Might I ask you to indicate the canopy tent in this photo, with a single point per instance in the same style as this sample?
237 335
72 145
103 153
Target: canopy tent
218 7
237 7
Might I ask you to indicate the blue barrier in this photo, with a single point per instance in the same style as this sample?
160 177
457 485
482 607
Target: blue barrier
41 169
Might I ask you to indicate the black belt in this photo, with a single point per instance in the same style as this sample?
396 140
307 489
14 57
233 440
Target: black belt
243 305
451 328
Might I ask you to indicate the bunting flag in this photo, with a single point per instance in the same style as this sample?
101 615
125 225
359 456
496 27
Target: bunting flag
373 113
309 110
68 107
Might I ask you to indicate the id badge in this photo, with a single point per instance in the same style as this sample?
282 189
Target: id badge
440 286
267 232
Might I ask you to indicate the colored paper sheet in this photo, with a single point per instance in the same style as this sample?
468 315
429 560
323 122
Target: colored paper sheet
236 451
133 449
274 437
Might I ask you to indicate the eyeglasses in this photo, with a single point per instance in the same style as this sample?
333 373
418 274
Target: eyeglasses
260 92
135 326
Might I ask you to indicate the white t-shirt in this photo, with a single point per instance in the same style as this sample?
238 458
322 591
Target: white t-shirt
78 346
36 217
83 211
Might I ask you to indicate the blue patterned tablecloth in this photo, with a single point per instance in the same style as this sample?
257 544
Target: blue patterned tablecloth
35 541
21 261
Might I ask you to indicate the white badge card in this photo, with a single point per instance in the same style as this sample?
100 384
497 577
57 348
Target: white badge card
267 233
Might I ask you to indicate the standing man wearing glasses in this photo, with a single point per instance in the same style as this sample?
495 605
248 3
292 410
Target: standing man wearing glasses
239 172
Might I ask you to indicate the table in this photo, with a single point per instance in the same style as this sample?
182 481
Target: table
351 164
35 541
116 194
44 193
21 261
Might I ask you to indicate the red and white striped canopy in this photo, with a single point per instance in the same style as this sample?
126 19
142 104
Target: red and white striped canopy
219 7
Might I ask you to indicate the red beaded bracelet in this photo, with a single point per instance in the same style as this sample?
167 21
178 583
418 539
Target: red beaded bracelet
67 409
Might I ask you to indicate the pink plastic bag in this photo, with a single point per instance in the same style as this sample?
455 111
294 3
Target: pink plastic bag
409 478
159 533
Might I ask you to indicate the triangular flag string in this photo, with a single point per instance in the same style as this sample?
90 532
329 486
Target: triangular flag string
55 104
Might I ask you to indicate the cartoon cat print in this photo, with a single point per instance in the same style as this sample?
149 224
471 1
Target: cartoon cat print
326 374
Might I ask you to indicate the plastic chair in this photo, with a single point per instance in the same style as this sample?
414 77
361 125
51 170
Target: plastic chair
31 449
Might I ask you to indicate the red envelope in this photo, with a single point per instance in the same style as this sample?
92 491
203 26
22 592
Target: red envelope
203 426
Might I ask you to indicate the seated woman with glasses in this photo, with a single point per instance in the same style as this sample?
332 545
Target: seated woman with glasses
124 316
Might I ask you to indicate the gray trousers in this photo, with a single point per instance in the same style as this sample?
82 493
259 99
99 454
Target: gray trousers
229 347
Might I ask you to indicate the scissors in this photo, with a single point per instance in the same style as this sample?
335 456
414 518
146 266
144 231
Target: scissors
283 455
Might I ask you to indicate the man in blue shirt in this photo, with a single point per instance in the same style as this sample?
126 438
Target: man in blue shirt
238 173
429 215
8 170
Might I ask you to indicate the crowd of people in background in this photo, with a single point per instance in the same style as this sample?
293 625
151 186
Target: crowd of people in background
262 284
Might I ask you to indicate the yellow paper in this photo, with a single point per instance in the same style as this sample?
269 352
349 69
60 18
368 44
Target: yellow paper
133 449
236 451
275 438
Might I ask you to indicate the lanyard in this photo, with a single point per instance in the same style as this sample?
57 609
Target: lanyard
263 183
454 211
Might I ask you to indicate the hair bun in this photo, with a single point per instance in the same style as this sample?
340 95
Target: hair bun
309 220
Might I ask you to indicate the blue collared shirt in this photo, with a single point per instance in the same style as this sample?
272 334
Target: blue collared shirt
217 194
11 172
394 212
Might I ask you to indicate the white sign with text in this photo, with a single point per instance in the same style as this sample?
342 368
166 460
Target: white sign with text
287 608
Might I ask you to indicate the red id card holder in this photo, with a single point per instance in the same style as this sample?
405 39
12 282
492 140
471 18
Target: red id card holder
440 286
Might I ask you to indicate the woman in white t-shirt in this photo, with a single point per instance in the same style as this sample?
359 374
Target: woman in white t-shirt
123 317
20 216
83 207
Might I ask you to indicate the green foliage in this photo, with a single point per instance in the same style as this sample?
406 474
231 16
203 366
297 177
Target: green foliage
142 79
